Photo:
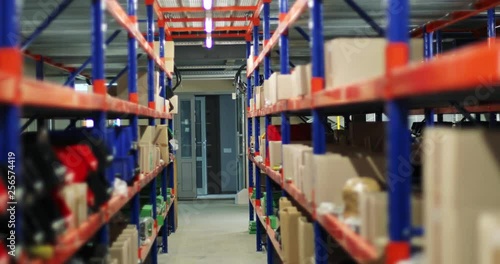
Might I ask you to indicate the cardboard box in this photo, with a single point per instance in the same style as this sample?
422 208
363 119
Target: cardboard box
306 241
169 64
289 226
75 197
308 176
145 157
147 134
259 97
161 140
119 251
301 80
169 48
274 153
252 104
121 90
460 181
488 244
351 60
159 103
285 84
271 90
331 172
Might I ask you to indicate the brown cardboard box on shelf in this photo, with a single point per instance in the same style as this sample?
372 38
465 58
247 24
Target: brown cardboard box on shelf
306 241
351 60
373 208
300 159
161 140
274 153
331 170
119 251
131 232
126 239
271 90
159 103
121 90
169 64
75 196
145 156
289 226
284 203
284 88
460 181
488 244
252 104
169 48
301 81
307 176
175 103
147 134
259 97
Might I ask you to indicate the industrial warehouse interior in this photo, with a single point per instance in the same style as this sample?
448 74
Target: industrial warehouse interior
249 131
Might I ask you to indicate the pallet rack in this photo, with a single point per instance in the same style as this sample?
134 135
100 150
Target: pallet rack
403 90
23 97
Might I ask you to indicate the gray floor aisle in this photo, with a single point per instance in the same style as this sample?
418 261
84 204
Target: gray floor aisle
212 232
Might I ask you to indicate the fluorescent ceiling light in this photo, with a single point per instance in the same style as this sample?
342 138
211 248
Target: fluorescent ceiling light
208 25
207 4
208 41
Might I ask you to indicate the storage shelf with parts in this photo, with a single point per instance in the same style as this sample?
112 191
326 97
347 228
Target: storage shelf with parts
75 157
352 153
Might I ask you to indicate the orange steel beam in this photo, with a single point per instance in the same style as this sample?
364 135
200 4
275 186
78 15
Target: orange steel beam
160 16
202 29
255 16
202 19
201 9
454 17
214 36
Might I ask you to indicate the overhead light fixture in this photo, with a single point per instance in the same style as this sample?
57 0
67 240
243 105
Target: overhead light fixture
208 25
207 4
208 41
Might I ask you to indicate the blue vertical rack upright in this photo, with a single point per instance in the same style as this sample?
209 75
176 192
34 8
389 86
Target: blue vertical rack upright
19 92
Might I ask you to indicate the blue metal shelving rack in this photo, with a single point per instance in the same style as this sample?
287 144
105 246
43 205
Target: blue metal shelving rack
394 93
18 92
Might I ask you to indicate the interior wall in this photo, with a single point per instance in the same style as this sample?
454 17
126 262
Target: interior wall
229 159
201 87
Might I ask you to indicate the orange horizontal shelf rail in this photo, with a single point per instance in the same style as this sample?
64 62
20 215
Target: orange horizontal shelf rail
293 14
360 249
475 68
201 9
454 17
45 94
115 9
355 245
202 29
74 239
144 249
256 14
202 19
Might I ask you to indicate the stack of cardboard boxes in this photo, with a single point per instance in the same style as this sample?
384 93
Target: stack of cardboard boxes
297 237
169 48
461 183
124 250
153 147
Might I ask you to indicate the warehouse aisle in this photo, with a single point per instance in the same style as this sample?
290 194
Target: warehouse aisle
212 232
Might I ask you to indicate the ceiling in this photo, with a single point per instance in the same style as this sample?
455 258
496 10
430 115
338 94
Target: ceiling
67 39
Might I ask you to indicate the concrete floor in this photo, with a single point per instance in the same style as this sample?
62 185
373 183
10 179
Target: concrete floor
212 232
